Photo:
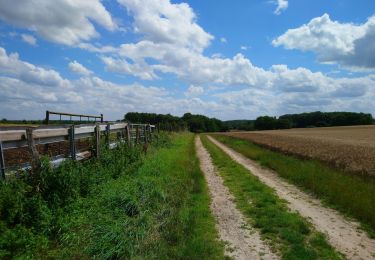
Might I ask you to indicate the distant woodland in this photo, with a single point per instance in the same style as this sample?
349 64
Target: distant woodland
201 123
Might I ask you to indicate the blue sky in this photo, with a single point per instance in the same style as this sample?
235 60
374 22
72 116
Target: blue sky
225 59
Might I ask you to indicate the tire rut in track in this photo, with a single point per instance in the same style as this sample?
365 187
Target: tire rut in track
242 241
342 233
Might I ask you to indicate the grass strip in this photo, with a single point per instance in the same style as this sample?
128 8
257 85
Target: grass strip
125 205
288 232
352 195
160 211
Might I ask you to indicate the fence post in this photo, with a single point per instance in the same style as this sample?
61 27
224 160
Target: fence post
149 133
145 133
47 117
35 158
72 146
136 134
128 137
2 162
97 141
107 134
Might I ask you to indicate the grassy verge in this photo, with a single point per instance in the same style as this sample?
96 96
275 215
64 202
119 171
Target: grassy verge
287 231
123 206
351 194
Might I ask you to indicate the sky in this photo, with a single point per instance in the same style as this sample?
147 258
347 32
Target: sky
225 59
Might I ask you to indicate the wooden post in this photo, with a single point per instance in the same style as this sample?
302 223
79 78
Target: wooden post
145 134
47 117
2 162
128 137
72 146
97 141
149 133
107 134
136 134
35 158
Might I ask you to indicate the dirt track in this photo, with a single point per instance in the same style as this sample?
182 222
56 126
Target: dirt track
242 241
343 234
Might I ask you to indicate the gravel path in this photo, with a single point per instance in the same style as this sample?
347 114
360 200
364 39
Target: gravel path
242 241
342 233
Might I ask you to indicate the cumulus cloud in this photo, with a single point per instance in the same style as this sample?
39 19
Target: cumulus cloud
78 68
62 21
223 40
29 39
282 5
194 91
346 44
163 22
12 66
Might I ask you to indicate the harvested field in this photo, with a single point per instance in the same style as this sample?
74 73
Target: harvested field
351 149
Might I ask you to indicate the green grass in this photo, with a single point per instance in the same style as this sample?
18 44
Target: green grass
353 195
288 232
124 206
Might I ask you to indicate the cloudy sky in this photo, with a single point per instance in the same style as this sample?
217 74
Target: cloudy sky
227 59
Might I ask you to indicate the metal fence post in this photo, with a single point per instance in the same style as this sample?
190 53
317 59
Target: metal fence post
72 145
2 162
97 141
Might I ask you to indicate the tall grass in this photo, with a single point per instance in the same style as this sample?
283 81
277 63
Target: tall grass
288 232
351 194
125 205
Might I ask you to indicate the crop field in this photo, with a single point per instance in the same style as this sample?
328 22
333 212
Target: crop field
351 149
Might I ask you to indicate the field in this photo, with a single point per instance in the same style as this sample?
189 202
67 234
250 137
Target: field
351 149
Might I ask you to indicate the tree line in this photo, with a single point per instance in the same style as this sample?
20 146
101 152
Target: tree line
193 123
313 119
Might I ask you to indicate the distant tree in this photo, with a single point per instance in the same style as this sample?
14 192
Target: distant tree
265 123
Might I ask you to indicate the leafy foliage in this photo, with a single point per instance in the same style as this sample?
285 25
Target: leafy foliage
313 119
193 123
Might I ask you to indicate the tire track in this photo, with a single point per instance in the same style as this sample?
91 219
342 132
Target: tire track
242 241
342 233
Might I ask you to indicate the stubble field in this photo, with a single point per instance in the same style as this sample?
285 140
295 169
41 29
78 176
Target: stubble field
351 149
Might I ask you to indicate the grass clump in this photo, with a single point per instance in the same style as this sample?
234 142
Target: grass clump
288 232
353 195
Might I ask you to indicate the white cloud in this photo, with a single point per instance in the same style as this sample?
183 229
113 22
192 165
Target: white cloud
29 39
163 22
62 21
282 5
194 91
346 44
11 66
78 68
244 48
27 91
140 69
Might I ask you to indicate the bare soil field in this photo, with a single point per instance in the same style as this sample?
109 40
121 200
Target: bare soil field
350 148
